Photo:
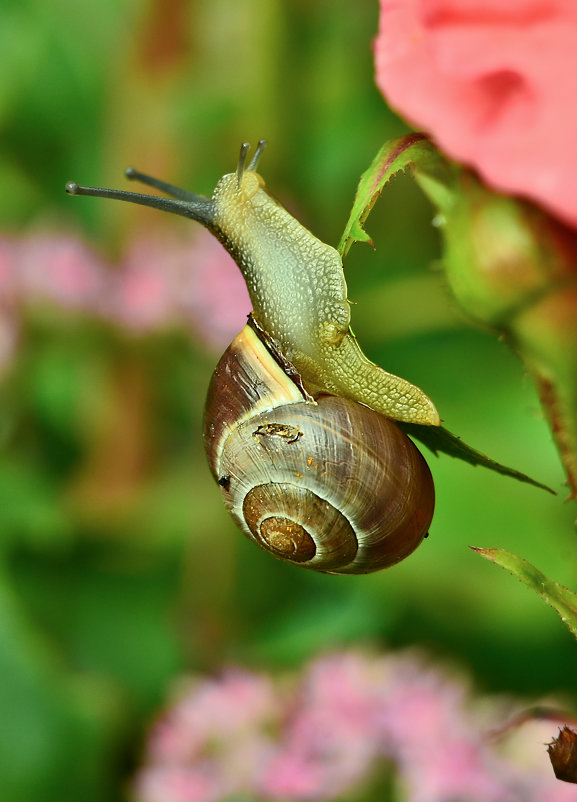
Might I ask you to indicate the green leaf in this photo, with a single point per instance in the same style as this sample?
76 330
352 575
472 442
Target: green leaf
411 151
439 439
563 600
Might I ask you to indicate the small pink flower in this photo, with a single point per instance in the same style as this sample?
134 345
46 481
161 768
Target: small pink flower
58 268
178 784
216 301
229 704
181 280
493 82
294 775
164 281
330 733
147 285
458 768
321 736
424 724
221 710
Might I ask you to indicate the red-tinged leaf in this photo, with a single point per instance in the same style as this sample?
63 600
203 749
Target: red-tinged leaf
563 600
411 151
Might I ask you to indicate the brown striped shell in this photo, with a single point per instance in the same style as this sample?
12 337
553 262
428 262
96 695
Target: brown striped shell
328 484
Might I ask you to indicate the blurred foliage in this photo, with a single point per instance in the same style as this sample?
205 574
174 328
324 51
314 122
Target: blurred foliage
119 566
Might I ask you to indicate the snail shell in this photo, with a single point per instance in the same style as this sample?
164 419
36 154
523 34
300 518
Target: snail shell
328 484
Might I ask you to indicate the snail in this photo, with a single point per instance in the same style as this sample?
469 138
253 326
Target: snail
299 427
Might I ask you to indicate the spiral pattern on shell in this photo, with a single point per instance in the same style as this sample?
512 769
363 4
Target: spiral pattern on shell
331 485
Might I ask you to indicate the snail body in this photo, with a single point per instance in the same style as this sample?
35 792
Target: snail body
296 286
299 425
298 293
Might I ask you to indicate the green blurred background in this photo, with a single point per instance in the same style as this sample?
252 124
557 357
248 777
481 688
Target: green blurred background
120 569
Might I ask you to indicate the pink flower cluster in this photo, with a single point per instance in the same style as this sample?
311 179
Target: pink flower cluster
493 82
163 281
330 731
